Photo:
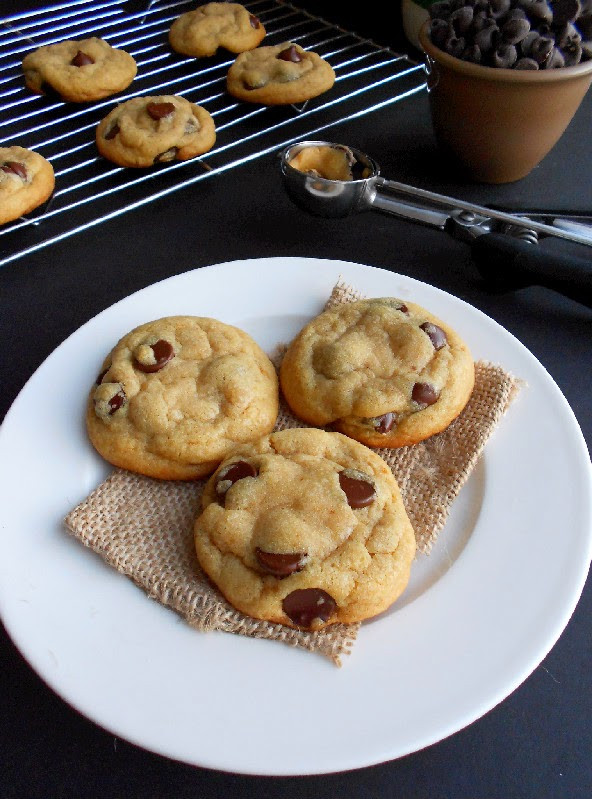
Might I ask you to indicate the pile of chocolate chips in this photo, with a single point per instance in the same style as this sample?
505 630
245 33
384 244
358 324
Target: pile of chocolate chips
514 34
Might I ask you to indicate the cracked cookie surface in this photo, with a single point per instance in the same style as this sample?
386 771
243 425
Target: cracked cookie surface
148 130
26 181
79 70
305 528
279 75
176 395
383 371
202 31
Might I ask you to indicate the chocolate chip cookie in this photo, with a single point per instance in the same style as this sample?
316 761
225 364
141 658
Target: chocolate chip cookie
26 181
279 75
79 71
305 528
385 372
147 130
201 32
176 395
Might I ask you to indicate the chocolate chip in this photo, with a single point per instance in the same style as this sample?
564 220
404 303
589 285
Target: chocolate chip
435 334
163 353
168 155
526 63
424 394
454 45
290 54
112 132
438 32
384 423
116 402
541 49
280 564
461 19
499 8
231 474
16 168
557 59
305 605
487 37
254 21
359 493
565 11
504 56
440 9
572 52
514 30
539 10
567 35
160 110
472 53
81 59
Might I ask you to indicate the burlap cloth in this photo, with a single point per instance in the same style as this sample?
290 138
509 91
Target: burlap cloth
144 527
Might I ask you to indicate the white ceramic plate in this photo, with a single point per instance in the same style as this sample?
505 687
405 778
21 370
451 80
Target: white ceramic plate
479 615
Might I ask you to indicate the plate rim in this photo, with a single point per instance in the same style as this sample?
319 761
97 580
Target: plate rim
453 727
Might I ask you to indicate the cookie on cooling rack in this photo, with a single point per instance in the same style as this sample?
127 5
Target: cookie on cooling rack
176 395
147 130
79 70
202 31
385 372
305 528
26 181
279 75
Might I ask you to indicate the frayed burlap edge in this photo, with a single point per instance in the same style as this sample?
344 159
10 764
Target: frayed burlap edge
144 527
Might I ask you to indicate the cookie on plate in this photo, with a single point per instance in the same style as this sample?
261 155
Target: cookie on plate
385 372
305 528
202 31
176 395
147 130
79 70
279 75
26 181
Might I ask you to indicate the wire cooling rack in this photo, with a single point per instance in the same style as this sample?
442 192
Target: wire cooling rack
90 189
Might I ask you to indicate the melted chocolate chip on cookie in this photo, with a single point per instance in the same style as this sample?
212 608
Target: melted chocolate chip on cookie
383 424
81 59
231 474
163 353
16 168
359 492
290 54
160 110
117 401
112 132
305 605
436 335
280 564
168 155
424 394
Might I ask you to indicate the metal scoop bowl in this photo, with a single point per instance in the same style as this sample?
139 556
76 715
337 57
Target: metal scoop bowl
366 190
327 197
503 244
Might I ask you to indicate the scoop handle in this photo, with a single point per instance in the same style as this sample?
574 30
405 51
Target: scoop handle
507 263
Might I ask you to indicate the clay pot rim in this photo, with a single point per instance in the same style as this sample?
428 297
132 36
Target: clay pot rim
498 74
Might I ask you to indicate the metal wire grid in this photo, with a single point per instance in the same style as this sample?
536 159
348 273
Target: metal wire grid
89 189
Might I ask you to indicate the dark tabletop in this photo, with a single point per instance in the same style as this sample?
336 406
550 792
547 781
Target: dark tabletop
537 742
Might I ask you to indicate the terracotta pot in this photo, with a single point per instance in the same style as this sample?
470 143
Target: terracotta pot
499 123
